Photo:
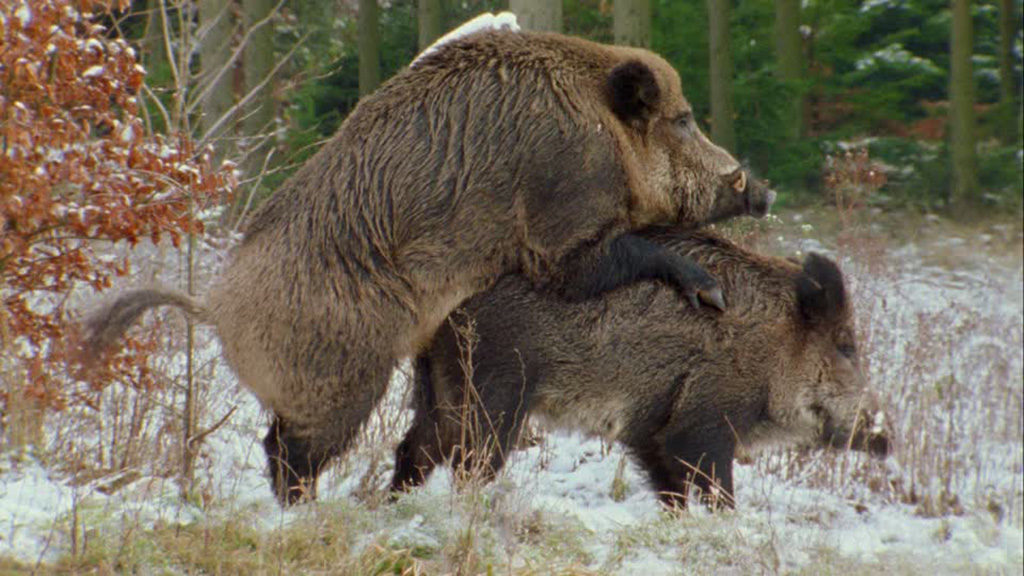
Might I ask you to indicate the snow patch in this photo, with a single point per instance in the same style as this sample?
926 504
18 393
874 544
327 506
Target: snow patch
412 535
127 133
31 505
870 5
485 21
93 71
93 44
896 54
24 14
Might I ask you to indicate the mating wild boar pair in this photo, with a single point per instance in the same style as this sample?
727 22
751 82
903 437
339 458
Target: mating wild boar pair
681 388
495 153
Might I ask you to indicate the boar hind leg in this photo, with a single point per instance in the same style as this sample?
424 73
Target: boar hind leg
417 455
630 258
484 444
494 415
333 410
294 463
475 451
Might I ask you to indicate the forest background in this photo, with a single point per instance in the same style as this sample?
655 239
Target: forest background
928 88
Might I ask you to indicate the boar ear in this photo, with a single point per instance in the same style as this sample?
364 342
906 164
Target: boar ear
820 291
634 91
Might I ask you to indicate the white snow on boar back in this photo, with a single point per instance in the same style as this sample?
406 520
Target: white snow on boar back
485 21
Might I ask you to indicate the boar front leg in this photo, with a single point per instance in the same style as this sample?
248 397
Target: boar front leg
630 258
703 458
663 474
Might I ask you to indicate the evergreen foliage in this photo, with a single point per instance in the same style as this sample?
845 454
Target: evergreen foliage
876 75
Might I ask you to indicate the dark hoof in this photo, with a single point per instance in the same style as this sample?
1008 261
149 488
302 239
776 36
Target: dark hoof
698 286
713 298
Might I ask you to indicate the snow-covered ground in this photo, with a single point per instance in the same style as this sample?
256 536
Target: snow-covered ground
941 320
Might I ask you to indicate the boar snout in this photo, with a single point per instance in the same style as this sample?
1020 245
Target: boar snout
878 445
870 433
759 197
873 435
739 194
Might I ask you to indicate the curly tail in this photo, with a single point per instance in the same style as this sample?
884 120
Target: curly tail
108 324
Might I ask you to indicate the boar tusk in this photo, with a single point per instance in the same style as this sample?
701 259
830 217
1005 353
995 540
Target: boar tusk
740 184
879 423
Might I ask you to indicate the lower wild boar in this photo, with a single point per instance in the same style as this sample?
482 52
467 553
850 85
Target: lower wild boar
681 388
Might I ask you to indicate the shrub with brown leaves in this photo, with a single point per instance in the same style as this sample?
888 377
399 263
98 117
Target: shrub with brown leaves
851 177
77 167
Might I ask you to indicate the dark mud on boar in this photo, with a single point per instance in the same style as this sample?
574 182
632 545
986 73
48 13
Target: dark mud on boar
681 388
500 152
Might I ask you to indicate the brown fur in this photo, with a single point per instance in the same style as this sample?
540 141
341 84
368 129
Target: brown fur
681 388
497 153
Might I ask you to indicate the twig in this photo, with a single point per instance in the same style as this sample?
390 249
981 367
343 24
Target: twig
205 138
252 192
199 437
201 97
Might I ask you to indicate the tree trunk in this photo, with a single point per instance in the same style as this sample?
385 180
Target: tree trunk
369 46
538 15
217 18
258 62
632 22
789 59
154 47
259 114
429 16
961 106
1009 23
722 131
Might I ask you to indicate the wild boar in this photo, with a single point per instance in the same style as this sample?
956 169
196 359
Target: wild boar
680 388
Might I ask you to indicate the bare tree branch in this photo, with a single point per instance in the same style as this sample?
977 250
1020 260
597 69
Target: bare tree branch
210 83
205 138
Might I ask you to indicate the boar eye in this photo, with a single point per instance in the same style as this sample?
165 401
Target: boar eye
684 123
848 350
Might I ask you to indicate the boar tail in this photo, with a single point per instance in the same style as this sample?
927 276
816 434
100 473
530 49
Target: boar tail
108 324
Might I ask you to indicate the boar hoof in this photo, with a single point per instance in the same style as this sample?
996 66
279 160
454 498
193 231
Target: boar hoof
698 286
713 298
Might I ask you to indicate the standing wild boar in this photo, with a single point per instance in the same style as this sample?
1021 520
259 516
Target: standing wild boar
497 152
681 388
